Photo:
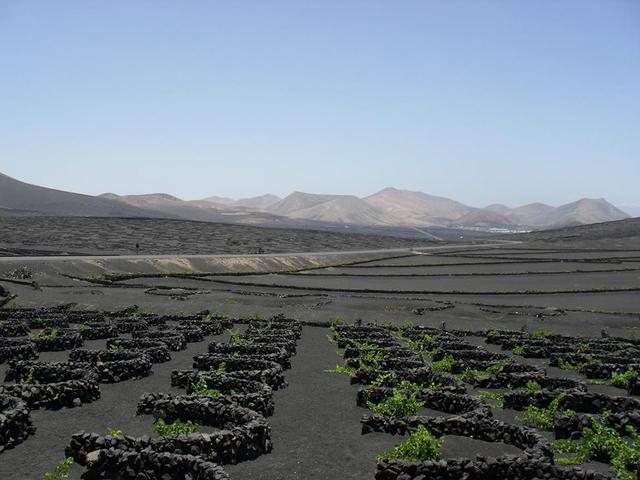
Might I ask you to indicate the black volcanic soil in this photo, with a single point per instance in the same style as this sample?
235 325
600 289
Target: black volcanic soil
118 236
316 430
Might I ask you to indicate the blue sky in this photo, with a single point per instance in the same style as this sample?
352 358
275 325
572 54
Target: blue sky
482 101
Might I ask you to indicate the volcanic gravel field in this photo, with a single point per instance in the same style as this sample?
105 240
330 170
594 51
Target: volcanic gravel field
479 337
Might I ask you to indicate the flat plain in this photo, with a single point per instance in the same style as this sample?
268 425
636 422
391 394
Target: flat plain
524 311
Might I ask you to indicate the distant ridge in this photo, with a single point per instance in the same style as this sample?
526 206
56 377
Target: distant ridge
332 208
390 207
24 197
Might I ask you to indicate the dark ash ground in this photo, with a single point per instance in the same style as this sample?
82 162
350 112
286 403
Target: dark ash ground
316 431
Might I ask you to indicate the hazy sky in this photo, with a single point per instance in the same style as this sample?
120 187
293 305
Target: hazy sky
482 101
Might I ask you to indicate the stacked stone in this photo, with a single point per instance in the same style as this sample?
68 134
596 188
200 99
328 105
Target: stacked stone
16 349
52 385
115 366
240 397
15 422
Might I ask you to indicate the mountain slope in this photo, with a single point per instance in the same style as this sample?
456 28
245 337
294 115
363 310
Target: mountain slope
24 197
417 207
332 208
585 211
532 214
483 218
262 202
169 206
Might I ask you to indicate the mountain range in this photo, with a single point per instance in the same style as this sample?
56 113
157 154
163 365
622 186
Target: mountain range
388 207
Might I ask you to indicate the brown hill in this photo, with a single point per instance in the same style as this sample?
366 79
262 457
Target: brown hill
332 208
483 218
24 198
417 207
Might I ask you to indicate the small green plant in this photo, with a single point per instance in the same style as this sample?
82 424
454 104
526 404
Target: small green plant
221 368
229 301
398 404
29 380
342 370
114 432
62 470
139 313
115 348
621 380
541 334
421 445
335 322
176 428
497 397
209 317
265 328
444 365
543 418
383 379
602 443
532 386
518 350
235 338
582 347
44 335
201 389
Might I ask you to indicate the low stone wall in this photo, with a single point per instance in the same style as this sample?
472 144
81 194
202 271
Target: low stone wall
115 366
247 367
15 422
55 385
174 341
246 393
98 332
155 350
17 349
531 442
191 334
435 399
482 468
516 380
62 341
44 322
13 329
112 463
263 351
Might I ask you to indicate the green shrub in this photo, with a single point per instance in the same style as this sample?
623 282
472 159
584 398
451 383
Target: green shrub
518 350
114 432
334 322
221 368
42 334
541 334
496 396
62 470
398 404
342 370
29 380
621 380
236 339
603 444
176 428
201 389
214 316
533 386
421 445
543 418
444 365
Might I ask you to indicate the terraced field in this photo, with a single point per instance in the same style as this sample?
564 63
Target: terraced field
486 363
